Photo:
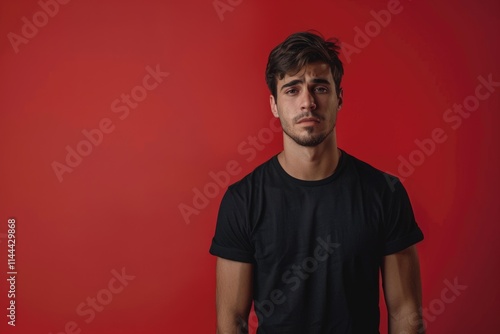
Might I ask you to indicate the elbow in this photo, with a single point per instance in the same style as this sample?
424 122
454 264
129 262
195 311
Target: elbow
407 316
236 326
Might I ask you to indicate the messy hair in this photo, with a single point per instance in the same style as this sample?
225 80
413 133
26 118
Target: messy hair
298 50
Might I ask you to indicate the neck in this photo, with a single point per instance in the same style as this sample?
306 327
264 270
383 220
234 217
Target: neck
310 163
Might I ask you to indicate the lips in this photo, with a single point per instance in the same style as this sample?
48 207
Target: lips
308 120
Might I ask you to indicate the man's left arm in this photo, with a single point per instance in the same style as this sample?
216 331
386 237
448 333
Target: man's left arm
403 291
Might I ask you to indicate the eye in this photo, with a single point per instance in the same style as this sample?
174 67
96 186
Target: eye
291 91
321 89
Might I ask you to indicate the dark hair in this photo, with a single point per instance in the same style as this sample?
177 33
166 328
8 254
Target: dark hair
298 50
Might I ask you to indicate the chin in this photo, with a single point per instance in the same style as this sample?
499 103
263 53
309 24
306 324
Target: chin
310 141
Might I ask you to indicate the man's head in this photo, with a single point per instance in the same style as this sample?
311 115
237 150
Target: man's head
300 49
304 74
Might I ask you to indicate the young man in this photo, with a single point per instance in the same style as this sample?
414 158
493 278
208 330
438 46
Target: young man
305 235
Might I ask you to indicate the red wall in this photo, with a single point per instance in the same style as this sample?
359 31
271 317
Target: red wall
115 209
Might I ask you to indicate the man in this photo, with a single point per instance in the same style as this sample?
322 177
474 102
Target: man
305 235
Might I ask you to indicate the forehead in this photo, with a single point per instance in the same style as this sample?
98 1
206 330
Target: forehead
309 71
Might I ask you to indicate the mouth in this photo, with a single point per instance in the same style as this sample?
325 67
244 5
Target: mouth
308 120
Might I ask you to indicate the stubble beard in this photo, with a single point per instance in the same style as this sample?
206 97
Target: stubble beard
310 140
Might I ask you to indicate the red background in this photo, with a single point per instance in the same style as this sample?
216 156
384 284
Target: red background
119 208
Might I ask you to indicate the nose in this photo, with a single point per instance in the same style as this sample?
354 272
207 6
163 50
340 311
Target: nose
308 102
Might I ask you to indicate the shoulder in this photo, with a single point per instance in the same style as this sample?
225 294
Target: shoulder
253 180
371 176
377 185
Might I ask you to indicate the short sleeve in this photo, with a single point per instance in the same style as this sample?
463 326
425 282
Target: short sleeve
400 228
232 234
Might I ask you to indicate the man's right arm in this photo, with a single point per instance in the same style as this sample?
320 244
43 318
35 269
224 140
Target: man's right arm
233 296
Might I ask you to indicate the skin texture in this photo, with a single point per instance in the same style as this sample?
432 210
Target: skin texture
234 296
403 291
307 104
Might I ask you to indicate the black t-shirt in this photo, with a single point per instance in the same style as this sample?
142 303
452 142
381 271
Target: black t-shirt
316 246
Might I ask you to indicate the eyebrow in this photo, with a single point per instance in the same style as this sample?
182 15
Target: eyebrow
298 81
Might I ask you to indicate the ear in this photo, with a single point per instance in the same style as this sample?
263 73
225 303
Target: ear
340 98
274 107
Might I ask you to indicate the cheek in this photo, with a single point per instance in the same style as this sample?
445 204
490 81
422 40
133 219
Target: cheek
283 115
331 101
288 107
